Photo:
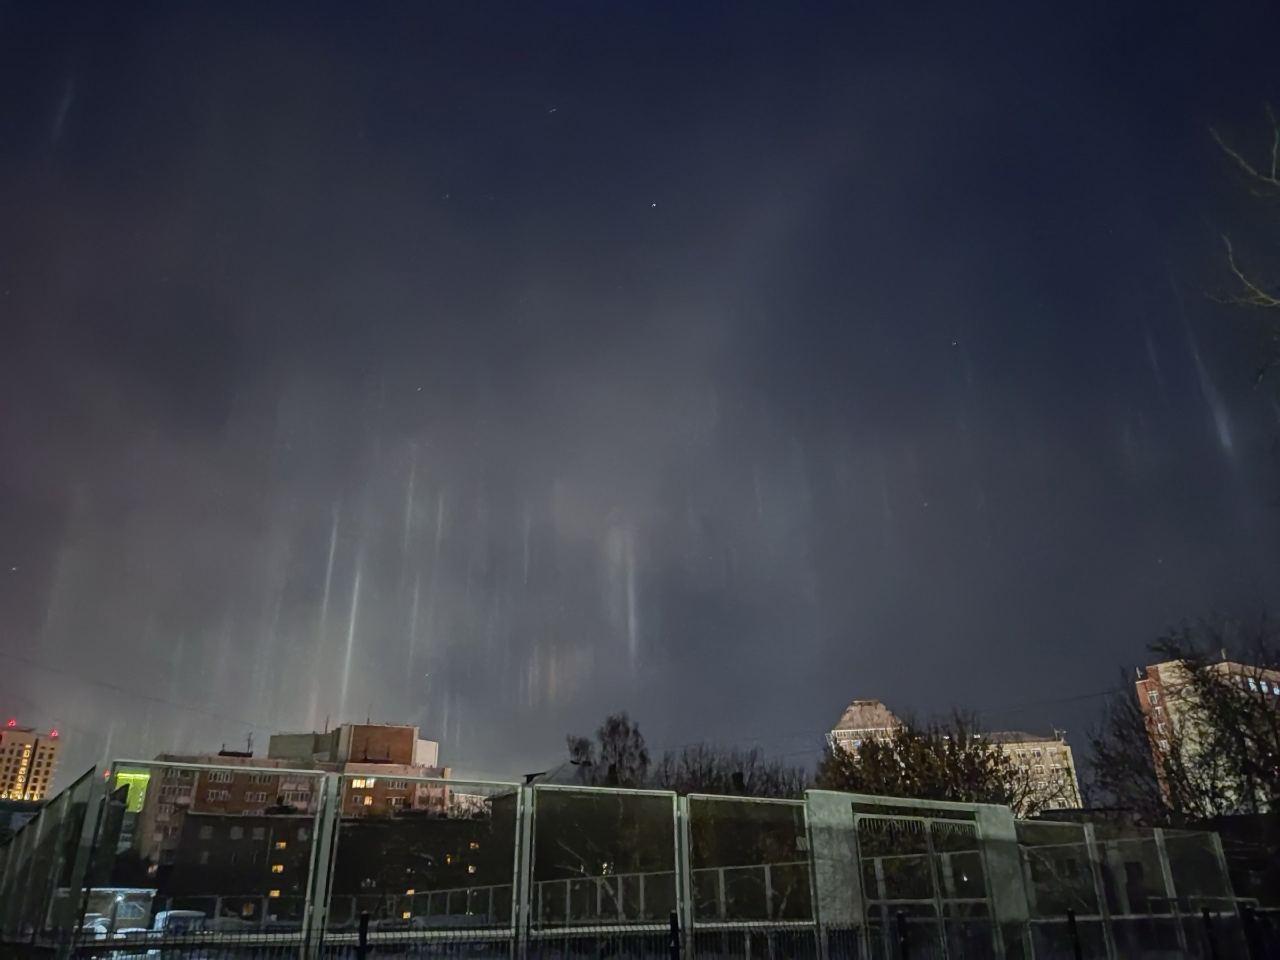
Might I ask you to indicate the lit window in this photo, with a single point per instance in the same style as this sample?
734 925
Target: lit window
281 844
409 892
273 894
1265 688
358 783
368 800
277 868
471 868
448 858
474 845
405 915
1252 685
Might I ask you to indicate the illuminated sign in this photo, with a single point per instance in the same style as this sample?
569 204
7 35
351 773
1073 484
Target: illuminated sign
136 781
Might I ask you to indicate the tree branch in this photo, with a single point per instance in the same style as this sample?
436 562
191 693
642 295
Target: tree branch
1254 295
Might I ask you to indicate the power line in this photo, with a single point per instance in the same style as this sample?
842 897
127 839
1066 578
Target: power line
133 694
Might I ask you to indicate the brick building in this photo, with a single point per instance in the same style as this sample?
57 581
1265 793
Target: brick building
1168 703
382 765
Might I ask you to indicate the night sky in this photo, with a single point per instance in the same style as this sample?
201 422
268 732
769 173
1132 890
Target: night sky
493 367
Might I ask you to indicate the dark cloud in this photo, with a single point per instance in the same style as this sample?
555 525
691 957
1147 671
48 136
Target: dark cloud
717 364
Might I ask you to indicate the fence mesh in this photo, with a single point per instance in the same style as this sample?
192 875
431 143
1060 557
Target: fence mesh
174 860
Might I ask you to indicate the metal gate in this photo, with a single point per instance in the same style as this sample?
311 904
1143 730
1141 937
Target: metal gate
925 889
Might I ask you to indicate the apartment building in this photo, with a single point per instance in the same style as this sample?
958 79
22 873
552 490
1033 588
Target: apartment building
28 759
383 766
1046 767
1168 703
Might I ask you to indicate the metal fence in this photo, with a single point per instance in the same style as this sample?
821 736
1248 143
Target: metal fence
177 860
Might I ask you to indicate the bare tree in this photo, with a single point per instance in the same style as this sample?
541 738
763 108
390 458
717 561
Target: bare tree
1124 773
1261 178
938 761
1220 752
618 758
703 768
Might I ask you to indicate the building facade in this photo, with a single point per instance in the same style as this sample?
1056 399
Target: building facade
1168 705
28 759
1046 769
380 763
863 720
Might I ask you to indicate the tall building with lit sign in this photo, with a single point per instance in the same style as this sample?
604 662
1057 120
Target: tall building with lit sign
28 759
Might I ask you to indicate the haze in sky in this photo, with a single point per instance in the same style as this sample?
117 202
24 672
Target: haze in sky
491 367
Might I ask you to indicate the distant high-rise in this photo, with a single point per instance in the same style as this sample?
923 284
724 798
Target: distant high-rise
1170 709
863 720
1047 776
28 759
1045 770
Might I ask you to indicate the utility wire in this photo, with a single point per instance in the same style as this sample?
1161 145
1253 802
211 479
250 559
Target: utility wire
133 694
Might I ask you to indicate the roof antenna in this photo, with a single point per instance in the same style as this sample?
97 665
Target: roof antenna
248 743
326 723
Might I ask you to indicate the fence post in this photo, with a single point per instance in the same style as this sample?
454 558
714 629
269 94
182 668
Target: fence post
1073 931
673 942
682 882
324 828
768 893
524 896
1253 942
1100 888
1171 891
362 939
86 846
904 939
1208 933
40 821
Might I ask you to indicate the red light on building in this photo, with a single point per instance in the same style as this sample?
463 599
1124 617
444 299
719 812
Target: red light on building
12 722
53 734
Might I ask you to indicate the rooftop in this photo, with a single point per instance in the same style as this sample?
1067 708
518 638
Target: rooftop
867 715
1022 736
